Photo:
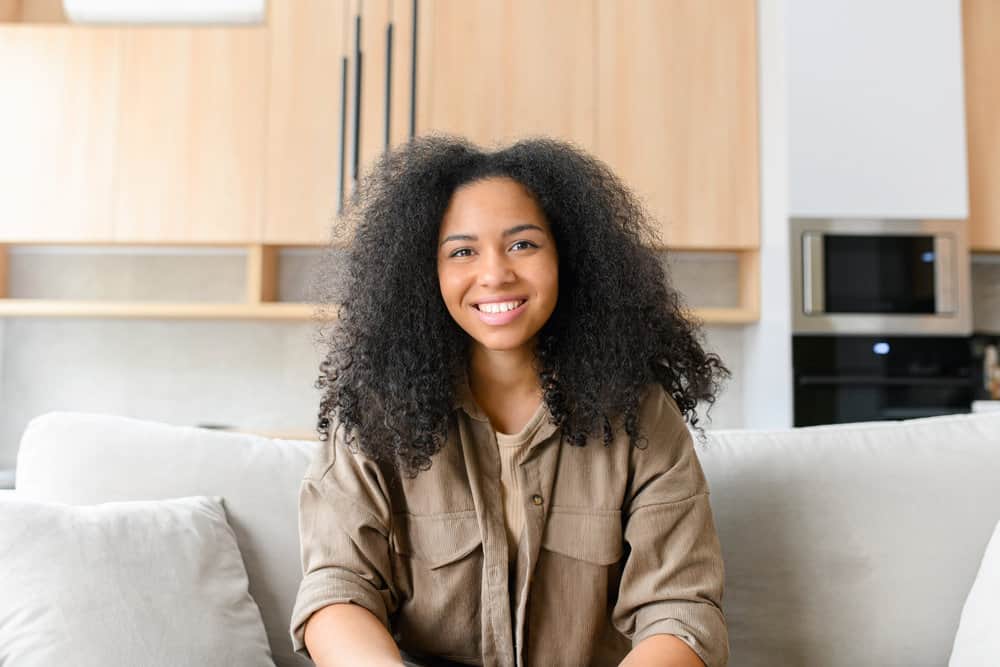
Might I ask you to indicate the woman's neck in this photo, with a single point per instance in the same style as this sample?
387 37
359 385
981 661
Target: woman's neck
498 375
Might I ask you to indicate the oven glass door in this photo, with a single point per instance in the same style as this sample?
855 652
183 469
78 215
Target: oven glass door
841 379
879 274
840 400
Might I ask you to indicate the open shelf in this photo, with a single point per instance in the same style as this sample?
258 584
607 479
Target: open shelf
156 310
262 292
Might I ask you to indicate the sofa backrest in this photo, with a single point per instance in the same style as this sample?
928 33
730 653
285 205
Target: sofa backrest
844 545
82 459
852 544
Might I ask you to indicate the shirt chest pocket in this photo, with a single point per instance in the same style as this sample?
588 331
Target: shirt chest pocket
438 563
435 540
592 536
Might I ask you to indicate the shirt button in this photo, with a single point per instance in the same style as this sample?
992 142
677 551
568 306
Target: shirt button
537 499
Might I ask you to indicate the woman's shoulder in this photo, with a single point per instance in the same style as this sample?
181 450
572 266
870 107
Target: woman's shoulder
657 409
340 451
667 447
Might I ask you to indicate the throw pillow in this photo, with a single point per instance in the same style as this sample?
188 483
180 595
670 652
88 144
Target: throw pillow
977 643
153 583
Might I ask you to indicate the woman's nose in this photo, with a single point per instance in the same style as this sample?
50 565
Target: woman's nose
495 269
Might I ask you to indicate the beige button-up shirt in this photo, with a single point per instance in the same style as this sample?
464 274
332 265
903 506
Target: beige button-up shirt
618 544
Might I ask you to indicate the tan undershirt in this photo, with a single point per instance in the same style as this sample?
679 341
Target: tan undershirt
512 448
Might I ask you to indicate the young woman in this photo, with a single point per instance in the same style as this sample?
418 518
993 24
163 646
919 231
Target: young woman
506 476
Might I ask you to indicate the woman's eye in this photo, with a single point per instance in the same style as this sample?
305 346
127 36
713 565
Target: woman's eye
458 253
527 244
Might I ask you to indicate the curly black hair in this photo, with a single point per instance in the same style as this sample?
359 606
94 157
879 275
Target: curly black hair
394 354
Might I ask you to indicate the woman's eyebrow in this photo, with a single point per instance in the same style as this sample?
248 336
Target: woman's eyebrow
506 232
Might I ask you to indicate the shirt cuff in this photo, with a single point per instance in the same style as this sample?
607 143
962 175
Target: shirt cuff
711 643
322 588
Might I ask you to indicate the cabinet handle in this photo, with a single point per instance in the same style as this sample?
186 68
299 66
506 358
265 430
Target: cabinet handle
388 82
357 101
343 135
413 72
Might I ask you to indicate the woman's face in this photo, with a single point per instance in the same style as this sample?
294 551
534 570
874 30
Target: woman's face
497 263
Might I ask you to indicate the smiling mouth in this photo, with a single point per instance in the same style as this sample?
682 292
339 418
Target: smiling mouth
500 307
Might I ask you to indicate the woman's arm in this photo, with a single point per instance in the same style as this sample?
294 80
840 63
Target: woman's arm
662 651
346 635
673 579
347 596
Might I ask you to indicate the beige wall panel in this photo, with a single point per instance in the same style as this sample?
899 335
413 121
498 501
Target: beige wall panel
192 135
303 142
60 89
42 11
678 114
981 34
10 10
495 70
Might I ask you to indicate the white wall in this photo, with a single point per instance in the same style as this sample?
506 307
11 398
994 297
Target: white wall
255 375
767 352
876 109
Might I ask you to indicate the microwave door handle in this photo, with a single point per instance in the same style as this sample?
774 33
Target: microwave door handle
812 273
944 273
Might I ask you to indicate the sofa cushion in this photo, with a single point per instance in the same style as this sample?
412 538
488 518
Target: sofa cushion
156 583
852 544
82 458
977 643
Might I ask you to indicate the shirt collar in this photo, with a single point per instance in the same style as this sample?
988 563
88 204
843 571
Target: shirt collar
464 400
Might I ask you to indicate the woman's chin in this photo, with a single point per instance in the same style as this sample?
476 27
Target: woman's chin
501 341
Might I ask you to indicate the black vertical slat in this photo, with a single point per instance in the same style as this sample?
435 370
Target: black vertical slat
388 83
357 102
413 72
343 134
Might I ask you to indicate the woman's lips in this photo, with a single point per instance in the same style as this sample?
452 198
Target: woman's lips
499 319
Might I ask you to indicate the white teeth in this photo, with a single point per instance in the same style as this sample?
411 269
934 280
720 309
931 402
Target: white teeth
501 307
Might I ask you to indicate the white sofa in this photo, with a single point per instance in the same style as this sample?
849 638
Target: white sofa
845 545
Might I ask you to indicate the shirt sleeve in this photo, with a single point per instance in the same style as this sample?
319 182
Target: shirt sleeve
344 519
673 577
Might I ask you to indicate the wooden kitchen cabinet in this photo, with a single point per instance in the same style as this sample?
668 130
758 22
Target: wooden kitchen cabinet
376 16
981 37
192 114
309 39
496 70
677 114
57 129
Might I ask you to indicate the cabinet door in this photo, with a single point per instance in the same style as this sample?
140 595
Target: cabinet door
60 88
386 86
494 70
981 31
677 115
191 135
309 42
308 39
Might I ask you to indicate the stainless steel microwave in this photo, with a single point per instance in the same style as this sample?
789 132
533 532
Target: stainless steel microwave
880 277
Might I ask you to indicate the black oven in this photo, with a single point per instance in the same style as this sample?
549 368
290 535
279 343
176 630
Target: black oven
842 379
